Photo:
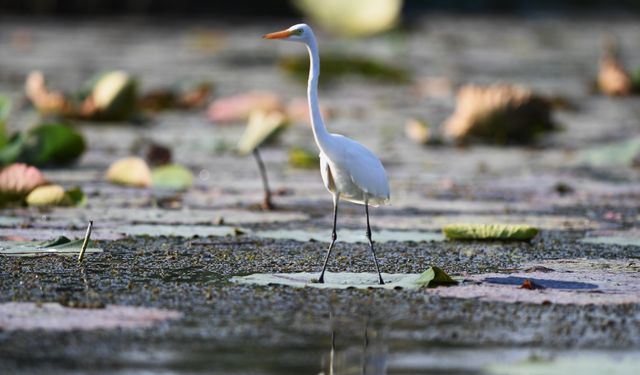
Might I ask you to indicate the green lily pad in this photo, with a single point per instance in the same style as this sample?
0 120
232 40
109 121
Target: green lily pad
301 158
172 176
621 240
610 155
434 276
490 232
5 109
591 364
60 246
262 128
45 144
335 66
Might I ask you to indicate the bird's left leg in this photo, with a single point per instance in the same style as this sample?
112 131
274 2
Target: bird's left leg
373 252
334 236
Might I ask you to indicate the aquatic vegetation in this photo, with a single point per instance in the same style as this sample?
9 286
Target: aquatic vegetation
490 232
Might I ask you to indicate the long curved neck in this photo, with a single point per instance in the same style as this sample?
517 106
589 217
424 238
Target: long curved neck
320 133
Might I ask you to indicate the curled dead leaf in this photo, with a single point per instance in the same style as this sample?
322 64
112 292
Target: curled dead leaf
46 102
17 180
499 114
417 131
613 79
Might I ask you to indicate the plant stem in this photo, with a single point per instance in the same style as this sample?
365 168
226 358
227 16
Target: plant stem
266 202
85 243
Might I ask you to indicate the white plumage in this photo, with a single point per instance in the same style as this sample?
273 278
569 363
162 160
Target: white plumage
349 170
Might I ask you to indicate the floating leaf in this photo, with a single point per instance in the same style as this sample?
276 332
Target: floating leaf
501 114
434 277
60 246
353 17
55 195
577 363
47 102
613 79
301 158
490 232
262 128
47 195
610 155
131 171
349 235
18 180
52 144
114 96
336 66
350 280
76 196
172 176
239 107
5 109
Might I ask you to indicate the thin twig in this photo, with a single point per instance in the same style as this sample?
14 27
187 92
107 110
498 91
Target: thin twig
266 202
85 242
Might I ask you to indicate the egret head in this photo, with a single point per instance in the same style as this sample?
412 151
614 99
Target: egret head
296 33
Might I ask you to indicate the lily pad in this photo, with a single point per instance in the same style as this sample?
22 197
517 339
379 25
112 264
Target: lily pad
335 66
591 364
131 171
302 158
5 109
621 240
263 127
611 155
60 246
45 144
490 232
172 176
350 280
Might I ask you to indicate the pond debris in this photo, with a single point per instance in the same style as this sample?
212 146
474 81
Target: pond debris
613 79
154 153
110 96
130 171
176 97
17 181
85 242
530 285
239 107
354 18
47 195
490 232
499 114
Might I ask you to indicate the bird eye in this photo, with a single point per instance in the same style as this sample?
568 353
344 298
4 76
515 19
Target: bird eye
299 31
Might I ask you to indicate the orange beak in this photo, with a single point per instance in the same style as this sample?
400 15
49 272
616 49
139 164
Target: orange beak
278 35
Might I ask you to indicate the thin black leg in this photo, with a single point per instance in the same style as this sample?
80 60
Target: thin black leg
373 252
266 202
334 236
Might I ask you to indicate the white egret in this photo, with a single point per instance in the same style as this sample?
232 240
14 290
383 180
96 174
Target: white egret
349 170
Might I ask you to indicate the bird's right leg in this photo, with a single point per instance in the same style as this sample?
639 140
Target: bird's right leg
266 201
334 236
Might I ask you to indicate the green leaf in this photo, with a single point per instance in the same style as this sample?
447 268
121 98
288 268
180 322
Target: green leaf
262 128
301 158
60 246
434 277
76 196
5 109
336 66
345 280
12 149
172 176
52 144
610 155
490 232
